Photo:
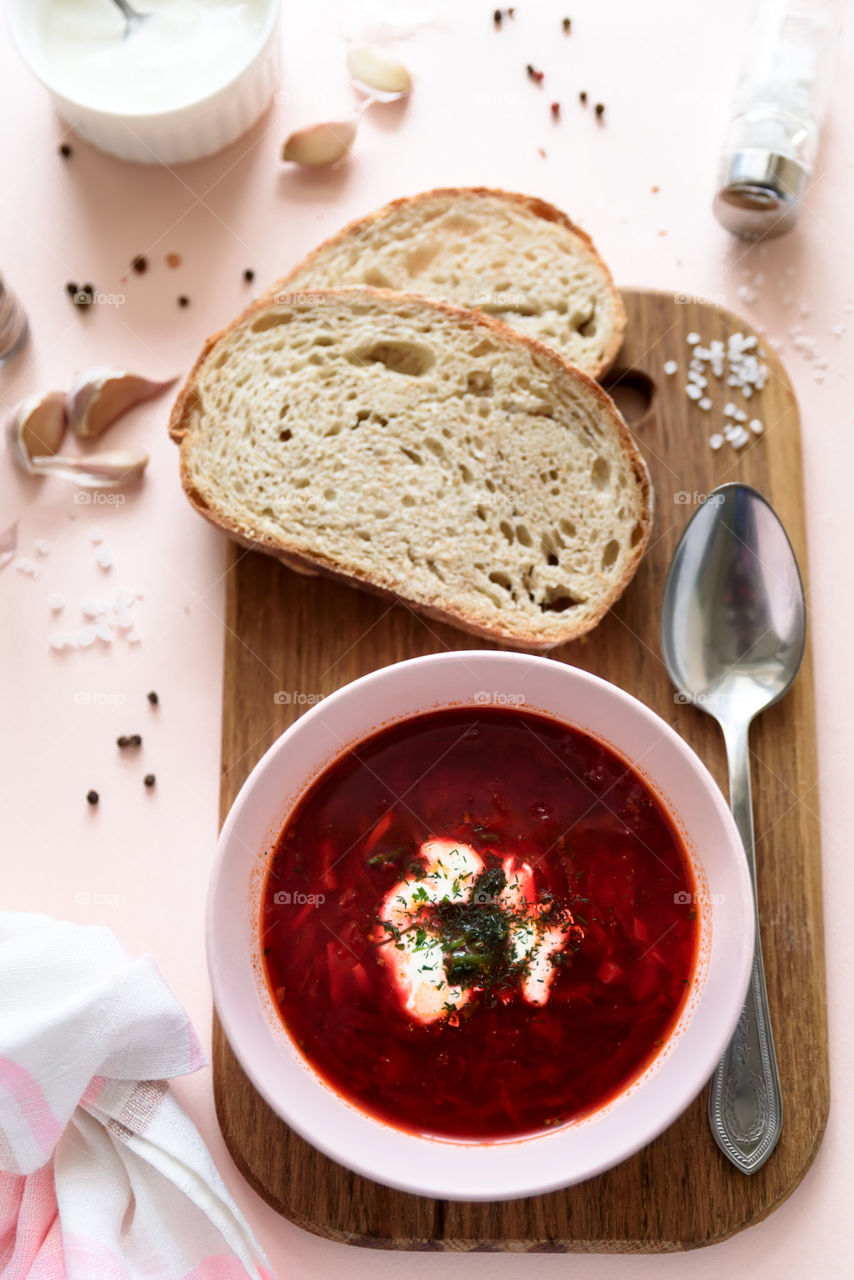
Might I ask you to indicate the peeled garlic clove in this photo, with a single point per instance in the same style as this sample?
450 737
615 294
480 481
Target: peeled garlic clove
375 71
105 470
320 144
100 396
36 427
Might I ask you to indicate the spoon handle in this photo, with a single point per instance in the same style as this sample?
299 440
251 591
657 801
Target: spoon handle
745 1101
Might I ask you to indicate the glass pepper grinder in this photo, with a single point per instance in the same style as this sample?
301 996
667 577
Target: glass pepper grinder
780 102
13 324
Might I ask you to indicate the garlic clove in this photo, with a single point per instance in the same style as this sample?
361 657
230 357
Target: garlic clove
106 470
100 396
36 427
376 72
320 144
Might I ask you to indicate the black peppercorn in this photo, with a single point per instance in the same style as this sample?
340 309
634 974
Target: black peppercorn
149 779
153 698
92 797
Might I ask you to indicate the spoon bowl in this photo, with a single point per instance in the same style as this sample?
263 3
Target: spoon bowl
733 624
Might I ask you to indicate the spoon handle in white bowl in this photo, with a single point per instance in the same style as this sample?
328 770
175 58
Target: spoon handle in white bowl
745 1101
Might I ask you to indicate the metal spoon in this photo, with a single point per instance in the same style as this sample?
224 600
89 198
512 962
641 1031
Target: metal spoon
733 629
132 17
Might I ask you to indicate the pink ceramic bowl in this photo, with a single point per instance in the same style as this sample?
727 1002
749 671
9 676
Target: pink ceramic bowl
545 1161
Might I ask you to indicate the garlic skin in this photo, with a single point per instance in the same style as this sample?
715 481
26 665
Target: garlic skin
36 426
377 73
99 396
106 470
319 145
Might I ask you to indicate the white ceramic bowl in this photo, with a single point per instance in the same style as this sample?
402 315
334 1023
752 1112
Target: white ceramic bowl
480 1170
203 126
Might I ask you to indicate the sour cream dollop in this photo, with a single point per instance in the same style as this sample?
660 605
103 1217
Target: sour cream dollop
414 950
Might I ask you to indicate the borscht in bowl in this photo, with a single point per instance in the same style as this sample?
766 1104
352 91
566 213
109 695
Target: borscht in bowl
480 925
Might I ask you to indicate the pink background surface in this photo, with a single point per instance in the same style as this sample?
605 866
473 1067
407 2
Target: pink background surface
139 863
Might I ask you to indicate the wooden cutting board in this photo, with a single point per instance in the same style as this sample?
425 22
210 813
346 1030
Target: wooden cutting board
304 636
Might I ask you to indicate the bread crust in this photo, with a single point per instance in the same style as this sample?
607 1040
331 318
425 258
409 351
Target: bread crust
540 209
180 431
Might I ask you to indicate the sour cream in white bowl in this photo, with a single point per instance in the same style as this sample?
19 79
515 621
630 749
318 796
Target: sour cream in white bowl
185 83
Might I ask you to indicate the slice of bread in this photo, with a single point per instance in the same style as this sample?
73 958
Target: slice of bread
421 451
511 256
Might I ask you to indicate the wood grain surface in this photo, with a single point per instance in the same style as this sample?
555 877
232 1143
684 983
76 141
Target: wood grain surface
306 635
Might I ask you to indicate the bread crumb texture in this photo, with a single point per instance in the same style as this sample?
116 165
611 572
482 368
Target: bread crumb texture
419 450
510 256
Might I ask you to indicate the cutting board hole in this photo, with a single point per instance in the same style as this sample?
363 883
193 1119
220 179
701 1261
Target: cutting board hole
632 392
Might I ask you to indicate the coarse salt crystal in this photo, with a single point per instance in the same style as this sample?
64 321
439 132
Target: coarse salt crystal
58 641
730 409
716 440
705 403
670 367
818 375
756 426
90 608
123 620
134 636
56 602
837 330
104 632
692 339
95 536
739 439
86 637
692 392
42 547
123 599
26 566
740 415
104 558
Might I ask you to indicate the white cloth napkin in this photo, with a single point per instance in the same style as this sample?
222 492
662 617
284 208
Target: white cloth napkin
102 1174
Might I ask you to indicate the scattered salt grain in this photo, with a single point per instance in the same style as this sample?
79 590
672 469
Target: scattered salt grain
104 632
42 547
692 339
704 403
740 415
756 426
716 440
91 608
86 637
730 410
739 438
26 566
693 392
837 330
56 602
133 637
670 367
123 599
58 641
95 536
104 558
746 294
123 620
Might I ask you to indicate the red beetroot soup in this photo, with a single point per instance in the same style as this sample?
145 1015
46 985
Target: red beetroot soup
479 923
